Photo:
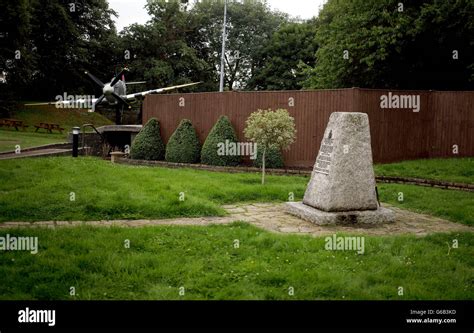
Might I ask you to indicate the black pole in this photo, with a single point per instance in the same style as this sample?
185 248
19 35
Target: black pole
118 114
75 141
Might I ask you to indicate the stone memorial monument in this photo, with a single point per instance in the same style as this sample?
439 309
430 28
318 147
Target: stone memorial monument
342 186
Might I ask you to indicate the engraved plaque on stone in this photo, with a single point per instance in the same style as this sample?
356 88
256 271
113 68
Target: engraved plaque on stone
343 178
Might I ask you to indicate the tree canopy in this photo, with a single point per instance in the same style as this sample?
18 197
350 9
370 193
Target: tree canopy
249 26
50 43
393 44
47 45
290 48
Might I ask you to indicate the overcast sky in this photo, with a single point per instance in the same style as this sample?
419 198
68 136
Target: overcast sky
132 11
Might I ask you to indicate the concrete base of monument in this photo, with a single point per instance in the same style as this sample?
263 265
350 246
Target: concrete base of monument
361 217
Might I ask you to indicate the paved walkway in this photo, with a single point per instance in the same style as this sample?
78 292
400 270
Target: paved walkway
36 153
272 217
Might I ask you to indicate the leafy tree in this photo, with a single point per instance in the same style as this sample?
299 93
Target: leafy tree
51 43
183 145
270 130
388 46
67 39
219 134
289 48
167 50
148 144
15 51
249 26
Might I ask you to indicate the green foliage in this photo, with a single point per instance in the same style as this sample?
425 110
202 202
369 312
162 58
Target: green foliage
219 134
250 25
168 50
180 44
270 130
389 48
273 159
15 26
289 49
183 145
51 36
148 144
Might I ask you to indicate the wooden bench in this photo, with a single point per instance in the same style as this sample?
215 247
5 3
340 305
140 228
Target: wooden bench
49 127
13 123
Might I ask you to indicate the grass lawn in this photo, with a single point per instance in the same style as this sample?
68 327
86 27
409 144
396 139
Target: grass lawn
448 169
204 261
39 189
67 118
9 139
457 206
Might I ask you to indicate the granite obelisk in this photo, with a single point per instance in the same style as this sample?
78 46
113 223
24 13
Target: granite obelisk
342 185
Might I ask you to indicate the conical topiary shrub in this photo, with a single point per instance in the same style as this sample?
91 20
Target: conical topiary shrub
148 144
273 159
183 146
219 134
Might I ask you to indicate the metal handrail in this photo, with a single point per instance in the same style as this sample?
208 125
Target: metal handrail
84 137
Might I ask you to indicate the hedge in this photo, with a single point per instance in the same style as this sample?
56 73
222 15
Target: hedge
219 134
148 144
183 146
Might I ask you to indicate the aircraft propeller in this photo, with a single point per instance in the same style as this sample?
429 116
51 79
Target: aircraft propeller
108 88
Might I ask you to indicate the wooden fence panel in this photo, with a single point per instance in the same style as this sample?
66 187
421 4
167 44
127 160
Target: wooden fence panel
444 119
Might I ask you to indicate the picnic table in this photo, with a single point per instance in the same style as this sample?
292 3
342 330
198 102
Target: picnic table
13 123
49 127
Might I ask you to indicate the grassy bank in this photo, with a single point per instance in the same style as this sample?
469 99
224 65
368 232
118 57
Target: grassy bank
31 116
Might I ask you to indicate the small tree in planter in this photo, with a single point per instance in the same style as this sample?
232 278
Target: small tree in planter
270 130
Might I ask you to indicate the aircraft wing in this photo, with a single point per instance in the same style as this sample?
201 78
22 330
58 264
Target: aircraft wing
131 97
78 103
135 82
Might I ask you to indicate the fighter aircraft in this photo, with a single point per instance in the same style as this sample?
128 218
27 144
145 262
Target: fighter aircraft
114 93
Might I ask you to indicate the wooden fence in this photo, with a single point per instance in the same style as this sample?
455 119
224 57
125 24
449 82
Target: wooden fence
443 126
